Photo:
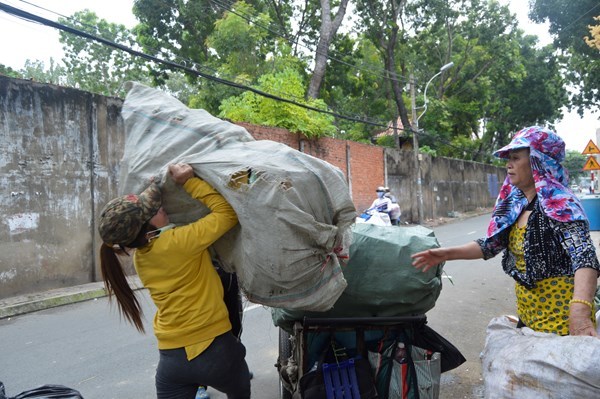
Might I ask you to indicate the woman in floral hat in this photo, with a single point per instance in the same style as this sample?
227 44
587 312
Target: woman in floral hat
544 233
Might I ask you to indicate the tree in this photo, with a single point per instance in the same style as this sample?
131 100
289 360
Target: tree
95 67
380 24
179 31
55 74
569 22
328 30
500 81
238 51
574 163
479 37
356 76
8 71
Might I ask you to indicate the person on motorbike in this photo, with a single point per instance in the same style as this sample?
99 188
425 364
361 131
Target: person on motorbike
394 212
381 203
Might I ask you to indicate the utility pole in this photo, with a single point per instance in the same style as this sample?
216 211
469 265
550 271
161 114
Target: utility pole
415 130
417 161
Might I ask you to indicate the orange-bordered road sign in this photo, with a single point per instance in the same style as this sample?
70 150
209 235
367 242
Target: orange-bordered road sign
591 164
591 148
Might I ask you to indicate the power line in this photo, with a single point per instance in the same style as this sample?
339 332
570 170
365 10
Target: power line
43 21
24 15
581 16
35 18
185 62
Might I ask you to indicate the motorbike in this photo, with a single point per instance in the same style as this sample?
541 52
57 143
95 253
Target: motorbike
375 216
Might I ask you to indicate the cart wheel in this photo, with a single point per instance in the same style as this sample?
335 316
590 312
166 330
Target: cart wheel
285 351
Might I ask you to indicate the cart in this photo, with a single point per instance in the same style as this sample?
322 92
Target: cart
298 355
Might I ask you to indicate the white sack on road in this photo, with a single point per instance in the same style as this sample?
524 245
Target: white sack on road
524 364
295 210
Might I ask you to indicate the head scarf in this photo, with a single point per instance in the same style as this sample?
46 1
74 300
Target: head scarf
546 151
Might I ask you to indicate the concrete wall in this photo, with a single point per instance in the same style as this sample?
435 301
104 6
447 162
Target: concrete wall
57 163
59 159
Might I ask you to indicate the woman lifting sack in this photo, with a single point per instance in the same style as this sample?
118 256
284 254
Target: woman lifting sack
196 346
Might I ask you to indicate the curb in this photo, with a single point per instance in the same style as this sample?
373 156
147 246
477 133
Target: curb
23 304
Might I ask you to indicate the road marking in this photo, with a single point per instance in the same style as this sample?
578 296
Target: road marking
446 276
472 232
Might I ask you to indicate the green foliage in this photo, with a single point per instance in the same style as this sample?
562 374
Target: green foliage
461 147
501 80
386 141
239 45
250 107
428 150
357 77
237 50
178 86
500 77
180 31
96 67
574 163
569 23
55 74
8 71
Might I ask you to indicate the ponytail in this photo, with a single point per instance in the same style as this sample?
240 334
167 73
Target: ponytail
116 283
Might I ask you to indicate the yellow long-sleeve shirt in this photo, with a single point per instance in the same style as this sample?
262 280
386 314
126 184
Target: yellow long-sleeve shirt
177 271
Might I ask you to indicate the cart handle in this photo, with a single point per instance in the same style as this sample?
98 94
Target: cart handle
353 321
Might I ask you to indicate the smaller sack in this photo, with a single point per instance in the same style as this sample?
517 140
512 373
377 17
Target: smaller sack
428 371
404 371
395 375
428 338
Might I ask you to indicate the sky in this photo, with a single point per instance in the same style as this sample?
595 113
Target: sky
22 40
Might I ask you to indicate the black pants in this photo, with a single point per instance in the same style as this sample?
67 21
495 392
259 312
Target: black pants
222 366
233 300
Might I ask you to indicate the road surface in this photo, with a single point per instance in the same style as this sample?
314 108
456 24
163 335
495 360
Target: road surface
86 345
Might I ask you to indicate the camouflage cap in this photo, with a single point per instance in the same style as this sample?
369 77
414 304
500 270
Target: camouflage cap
122 219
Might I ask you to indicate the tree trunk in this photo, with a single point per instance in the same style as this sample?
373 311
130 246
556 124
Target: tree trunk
390 67
328 30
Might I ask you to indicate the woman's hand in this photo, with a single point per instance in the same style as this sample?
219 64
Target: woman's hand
181 172
580 313
427 259
579 320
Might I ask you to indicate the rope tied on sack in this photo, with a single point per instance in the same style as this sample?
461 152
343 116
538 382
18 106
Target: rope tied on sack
338 253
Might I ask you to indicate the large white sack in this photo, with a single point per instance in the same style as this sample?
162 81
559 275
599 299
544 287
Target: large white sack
524 364
295 212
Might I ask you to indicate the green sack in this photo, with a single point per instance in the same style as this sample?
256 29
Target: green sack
381 279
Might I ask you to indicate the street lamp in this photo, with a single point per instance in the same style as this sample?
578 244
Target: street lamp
442 69
416 131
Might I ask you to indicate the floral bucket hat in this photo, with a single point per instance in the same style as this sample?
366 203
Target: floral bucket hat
546 151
